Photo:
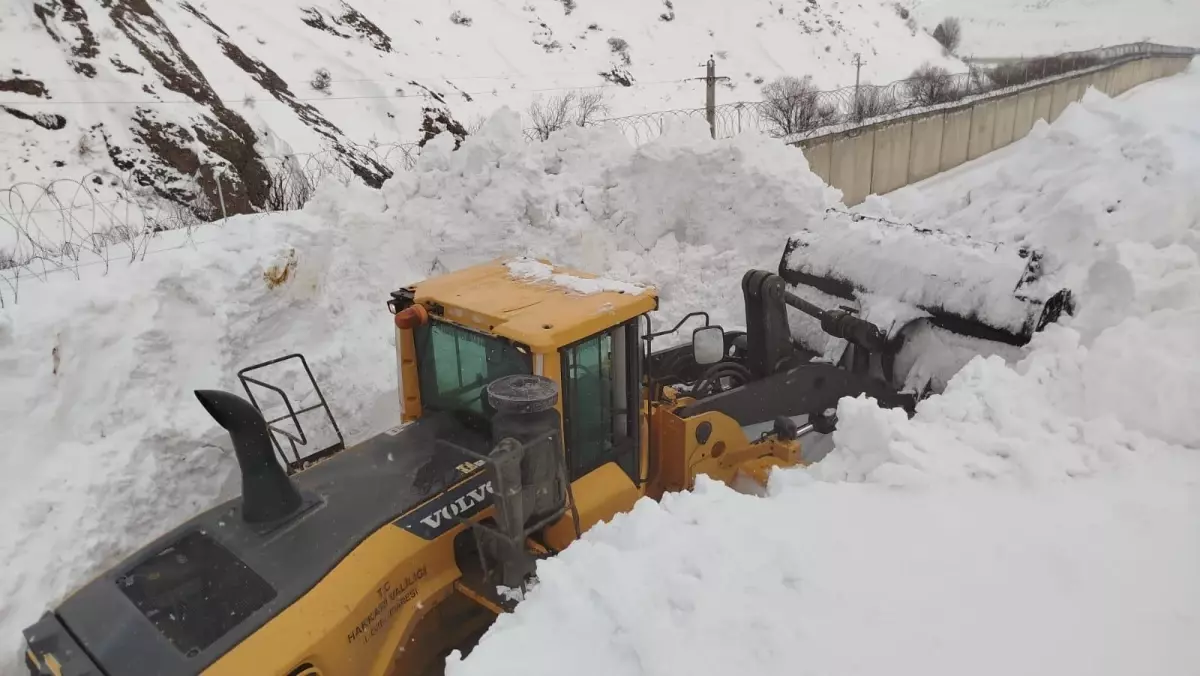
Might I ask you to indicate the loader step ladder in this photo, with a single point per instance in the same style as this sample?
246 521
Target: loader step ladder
296 437
475 585
497 552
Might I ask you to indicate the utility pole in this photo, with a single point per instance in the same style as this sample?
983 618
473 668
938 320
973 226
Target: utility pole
858 64
710 99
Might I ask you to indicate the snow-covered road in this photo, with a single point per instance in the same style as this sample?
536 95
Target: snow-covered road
1037 518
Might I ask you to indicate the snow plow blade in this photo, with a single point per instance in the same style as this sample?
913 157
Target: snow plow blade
995 292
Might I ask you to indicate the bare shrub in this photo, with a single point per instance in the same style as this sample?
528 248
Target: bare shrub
619 46
321 80
931 84
590 107
1017 73
901 10
579 108
870 101
475 125
1010 74
949 34
791 106
288 189
460 19
554 115
668 15
568 6
978 81
83 147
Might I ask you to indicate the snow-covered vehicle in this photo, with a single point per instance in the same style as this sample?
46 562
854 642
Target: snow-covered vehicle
533 406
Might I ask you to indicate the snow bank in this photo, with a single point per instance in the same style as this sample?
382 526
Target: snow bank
1037 517
104 444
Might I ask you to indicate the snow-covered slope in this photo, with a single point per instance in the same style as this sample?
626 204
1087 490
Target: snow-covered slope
172 90
1037 518
1008 28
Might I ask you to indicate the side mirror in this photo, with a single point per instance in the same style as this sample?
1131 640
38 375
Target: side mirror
708 345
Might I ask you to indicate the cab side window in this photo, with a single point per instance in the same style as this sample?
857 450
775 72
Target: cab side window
597 402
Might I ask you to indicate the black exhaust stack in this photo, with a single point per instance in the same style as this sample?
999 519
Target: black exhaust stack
267 493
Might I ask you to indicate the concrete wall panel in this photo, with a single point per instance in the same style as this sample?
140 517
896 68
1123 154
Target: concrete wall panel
1023 114
983 129
1126 77
1043 102
1116 80
841 163
1060 98
1006 116
1104 81
925 155
892 147
818 159
850 166
1143 71
1075 90
864 157
1091 81
956 135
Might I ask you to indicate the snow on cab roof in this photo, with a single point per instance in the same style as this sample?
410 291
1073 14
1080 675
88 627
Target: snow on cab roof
533 302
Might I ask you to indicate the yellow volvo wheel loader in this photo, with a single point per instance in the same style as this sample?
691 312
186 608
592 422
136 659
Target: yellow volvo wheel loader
529 412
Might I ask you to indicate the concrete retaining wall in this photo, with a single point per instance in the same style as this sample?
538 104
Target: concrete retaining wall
956 134
925 150
883 157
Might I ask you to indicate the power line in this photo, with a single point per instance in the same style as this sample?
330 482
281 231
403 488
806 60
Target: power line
448 78
155 102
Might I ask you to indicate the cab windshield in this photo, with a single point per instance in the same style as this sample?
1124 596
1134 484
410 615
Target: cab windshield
454 364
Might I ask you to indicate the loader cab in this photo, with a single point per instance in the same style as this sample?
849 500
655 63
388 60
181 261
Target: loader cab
457 333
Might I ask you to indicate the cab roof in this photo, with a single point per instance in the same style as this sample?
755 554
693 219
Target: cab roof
533 302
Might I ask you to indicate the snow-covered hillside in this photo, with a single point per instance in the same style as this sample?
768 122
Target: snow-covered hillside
173 90
1008 28
1036 518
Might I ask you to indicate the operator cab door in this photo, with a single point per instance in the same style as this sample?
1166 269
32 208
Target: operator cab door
600 401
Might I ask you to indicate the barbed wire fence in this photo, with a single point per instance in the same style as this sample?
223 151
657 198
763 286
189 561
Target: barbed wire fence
70 224
795 109
103 218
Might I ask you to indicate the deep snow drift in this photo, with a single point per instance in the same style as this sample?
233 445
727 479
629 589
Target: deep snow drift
104 444
1037 518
